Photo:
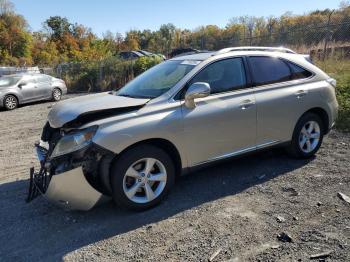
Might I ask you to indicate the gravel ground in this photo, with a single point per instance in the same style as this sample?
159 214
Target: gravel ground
233 211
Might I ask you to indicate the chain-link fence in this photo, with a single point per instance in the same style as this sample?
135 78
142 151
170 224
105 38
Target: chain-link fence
326 36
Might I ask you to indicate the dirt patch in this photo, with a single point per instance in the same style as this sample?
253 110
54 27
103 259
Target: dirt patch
233 211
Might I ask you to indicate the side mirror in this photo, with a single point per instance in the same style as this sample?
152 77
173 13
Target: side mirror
22 84
196 90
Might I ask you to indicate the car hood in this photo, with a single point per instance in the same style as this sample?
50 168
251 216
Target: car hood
88 108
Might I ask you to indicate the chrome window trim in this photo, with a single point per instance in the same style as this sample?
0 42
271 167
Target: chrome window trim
284 82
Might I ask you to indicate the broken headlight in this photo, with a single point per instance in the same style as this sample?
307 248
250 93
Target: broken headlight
74 141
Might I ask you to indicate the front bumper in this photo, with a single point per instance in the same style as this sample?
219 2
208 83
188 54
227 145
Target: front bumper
69 189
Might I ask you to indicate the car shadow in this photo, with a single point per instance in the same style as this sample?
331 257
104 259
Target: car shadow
40 231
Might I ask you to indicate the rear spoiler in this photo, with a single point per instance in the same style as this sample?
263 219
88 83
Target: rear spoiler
307 58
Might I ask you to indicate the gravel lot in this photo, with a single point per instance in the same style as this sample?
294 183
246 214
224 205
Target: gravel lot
233 211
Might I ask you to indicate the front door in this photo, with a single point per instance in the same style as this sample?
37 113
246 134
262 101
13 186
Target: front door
224 123
29 88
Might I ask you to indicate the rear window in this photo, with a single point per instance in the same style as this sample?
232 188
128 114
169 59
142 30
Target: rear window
299 72
269 70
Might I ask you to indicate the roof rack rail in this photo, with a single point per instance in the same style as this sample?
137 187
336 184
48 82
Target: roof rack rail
255 48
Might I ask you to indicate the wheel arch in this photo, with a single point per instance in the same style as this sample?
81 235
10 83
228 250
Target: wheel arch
323 115
57 87
165 145
15 95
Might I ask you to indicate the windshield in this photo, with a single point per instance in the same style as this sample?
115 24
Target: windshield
9 80
157 80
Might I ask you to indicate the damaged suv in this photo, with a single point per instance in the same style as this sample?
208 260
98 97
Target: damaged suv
181 114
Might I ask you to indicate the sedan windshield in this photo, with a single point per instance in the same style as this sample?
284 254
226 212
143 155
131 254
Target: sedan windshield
157 80
8 80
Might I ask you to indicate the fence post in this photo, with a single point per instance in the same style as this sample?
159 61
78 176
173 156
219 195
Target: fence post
100 76
328 34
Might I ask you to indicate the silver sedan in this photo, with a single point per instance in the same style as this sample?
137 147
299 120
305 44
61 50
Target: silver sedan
25 88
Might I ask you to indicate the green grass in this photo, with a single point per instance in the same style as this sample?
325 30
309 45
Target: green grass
339 69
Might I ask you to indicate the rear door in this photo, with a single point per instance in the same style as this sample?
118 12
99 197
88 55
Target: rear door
44 86
224 123
281 96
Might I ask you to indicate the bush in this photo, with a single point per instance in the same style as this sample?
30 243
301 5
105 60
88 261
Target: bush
339 69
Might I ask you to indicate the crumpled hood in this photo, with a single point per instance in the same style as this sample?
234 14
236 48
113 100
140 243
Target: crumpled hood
71 109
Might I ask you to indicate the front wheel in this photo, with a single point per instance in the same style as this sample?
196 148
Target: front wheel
10 102
307 136
141 177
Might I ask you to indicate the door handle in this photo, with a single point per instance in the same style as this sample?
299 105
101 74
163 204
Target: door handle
246 104
301 93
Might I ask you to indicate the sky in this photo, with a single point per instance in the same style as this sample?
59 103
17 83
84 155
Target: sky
121 16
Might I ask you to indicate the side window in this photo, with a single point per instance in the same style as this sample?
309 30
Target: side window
223 76
269 70
40 79
29 80
298 72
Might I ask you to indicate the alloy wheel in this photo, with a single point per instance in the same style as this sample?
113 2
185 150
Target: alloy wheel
309 136
56 94
11 102
144 180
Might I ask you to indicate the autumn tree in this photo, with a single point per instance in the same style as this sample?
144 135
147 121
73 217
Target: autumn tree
15 39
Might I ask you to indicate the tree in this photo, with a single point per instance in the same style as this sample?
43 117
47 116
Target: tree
57 26
15 39
6 7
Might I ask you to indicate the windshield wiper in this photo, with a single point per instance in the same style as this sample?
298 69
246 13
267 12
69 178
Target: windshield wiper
126 95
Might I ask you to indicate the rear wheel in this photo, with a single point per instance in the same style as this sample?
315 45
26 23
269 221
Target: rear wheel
307 136
10 102
142 177
56 94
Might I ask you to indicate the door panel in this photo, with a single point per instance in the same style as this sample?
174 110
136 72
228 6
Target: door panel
29 91
225 121
281 95
220 125
44 86
279 108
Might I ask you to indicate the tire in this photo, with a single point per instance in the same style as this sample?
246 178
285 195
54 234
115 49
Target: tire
10 102
56 94
136 159
306 139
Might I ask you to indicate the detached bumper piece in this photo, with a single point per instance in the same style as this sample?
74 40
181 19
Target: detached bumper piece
68 189
71 190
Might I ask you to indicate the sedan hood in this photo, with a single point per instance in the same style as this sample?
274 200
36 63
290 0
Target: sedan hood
91 107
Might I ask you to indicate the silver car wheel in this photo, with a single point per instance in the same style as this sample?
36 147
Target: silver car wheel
11 102
56 94
309 136
144 180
